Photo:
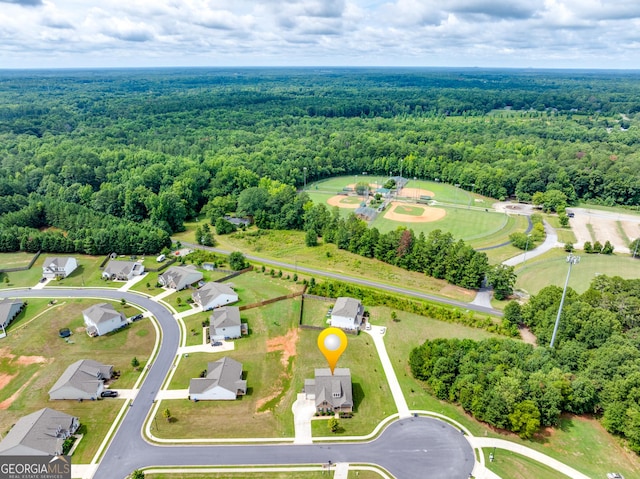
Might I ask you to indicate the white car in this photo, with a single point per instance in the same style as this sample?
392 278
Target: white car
614 475
383 330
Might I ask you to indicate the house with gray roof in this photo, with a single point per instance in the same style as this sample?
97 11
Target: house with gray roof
41 433
347 313
331 392
225 323
83 379
213 295
9 309
179 277
222 382
102 318
122 270
58 266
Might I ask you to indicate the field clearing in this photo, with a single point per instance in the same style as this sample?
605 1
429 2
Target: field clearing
39 359
551 268
289 246
255 286
15 260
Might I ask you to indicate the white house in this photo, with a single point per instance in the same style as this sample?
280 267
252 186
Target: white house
41 433
58 267
83 379
122 270
222 382
347 313
212 295
225 322
179 277
102 318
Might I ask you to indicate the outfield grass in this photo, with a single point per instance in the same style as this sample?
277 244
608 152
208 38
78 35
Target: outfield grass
551 268
462 223
45 345
289 246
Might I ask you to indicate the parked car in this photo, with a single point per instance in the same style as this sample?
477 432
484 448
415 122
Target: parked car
571 214
64 333
42 280
108 393
136 317
614 475
383 330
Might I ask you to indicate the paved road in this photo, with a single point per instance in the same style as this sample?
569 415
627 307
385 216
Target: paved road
549 243
360 281
410 448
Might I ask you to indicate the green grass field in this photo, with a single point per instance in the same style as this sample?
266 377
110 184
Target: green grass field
551 268
15 260
35 357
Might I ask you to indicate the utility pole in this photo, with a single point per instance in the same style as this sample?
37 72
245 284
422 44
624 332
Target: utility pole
571 259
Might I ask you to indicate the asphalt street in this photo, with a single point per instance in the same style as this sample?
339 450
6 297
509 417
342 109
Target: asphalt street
360 281
410 448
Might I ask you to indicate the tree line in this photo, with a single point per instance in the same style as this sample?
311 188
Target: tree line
592 369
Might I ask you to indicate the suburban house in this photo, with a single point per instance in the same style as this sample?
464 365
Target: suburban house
212 295
9 309
102 318
122 270
179 277
222 382
225 323
58 267
347 313
330 392
41 433
83 379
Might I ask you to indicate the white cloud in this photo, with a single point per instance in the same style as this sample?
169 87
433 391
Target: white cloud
580 33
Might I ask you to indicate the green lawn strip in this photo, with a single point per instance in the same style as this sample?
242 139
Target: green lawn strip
591 232
33 307
150 278
514 466
612 209
117 349
289 246
498 255
623 233
180 300
88 273
193 325
566 236
551 268
15 260
514 223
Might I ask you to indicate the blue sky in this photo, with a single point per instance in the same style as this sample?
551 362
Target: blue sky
482 33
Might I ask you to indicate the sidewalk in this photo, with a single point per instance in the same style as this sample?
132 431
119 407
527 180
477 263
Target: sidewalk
486 442
341 471
83 471
172 394
549 243
131 282
394 385
163 295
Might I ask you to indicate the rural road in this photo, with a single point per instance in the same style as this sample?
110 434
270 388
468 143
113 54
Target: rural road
415 447
360 281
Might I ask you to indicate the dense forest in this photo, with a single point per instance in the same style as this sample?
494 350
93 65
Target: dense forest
147 149
594 367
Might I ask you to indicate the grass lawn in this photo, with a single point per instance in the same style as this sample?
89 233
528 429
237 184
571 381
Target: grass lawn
15 260
193 324
36 361
514 223
515 466
551 268
315 312
266 410
289 246
88 273
255 286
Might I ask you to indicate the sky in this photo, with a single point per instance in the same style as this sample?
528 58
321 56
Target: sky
418 33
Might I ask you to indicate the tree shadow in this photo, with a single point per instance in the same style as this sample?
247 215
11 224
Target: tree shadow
358 396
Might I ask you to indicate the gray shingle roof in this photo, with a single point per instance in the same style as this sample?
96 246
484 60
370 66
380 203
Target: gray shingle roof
180 276
39 433
335 389
101 312
347 307
225 372
85 375
117 268
225 317
6 308
211 291
56 262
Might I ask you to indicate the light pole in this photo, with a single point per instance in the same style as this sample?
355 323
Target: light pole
304 172
571 259
526 247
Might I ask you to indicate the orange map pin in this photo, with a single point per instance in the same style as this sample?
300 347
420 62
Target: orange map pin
332 342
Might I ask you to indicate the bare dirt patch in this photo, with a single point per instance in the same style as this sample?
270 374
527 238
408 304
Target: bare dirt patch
5 379
457 290
27 360
527 336
337 201
9 401
632 230
286 344
415 193
429 214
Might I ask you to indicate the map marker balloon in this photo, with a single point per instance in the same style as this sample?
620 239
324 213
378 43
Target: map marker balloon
332 342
